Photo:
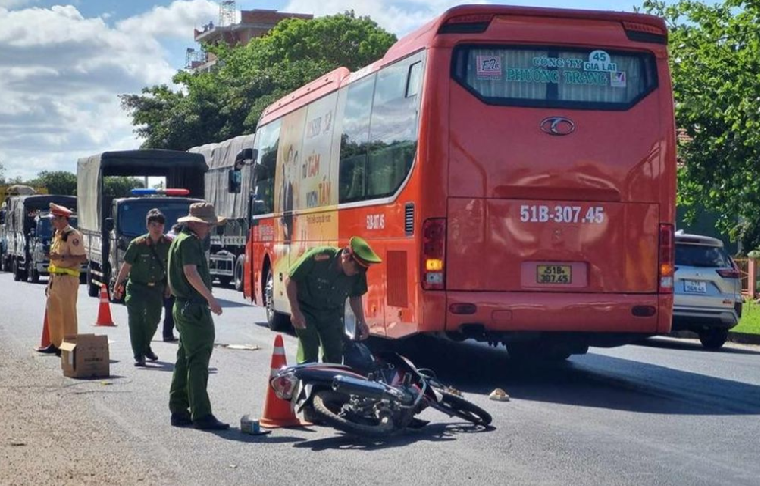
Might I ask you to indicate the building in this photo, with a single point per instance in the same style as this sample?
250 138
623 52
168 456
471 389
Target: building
233 30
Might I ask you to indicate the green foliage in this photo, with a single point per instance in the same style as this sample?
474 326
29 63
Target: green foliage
120 186
211 107
56 182
715 61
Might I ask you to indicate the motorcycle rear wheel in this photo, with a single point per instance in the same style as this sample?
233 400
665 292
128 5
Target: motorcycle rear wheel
459 407
328 405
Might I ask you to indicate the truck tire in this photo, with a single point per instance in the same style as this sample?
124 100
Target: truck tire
224 281
34 275
92 289
16 271
239 269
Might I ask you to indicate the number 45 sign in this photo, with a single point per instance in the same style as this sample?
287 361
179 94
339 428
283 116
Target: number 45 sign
599 61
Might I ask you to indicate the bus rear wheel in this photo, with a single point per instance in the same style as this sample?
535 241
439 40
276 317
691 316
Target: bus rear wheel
239 268
277 320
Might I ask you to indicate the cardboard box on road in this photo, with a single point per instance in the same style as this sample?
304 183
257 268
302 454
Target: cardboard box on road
85 356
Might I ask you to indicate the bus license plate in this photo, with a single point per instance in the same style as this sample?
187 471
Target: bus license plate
554 274
694 287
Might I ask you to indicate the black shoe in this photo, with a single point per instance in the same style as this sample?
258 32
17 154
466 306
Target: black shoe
52 348
181 419
209 422
140 361
170 339
57 352
151 355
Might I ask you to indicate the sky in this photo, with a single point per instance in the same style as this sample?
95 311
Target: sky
64 63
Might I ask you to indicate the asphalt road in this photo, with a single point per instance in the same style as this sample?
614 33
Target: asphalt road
664 413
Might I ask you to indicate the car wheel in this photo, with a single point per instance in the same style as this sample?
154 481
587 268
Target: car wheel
713 339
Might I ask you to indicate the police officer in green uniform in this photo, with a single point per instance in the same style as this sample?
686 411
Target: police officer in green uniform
145 264
190 282
317 287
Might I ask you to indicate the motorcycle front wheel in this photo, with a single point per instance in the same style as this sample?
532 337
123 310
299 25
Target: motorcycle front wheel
328 406
459 407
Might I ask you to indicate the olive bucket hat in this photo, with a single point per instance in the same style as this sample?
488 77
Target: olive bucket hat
202 212
362 252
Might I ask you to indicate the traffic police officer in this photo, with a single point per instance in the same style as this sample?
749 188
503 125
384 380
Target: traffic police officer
66 255
190 282
317 287
145 263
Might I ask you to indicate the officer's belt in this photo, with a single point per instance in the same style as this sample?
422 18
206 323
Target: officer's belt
184 300
72 272
144 284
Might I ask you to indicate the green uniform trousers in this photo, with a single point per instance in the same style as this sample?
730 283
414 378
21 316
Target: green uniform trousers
327 329
144 305
196 341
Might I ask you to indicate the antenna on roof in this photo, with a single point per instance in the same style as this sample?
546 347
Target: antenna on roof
227 12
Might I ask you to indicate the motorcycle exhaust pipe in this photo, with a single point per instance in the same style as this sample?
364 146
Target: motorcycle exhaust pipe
354 386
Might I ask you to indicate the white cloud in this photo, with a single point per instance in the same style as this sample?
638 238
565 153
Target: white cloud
15 3
399 17
176 20
62 74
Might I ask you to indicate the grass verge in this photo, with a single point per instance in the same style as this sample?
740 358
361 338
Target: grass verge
750 321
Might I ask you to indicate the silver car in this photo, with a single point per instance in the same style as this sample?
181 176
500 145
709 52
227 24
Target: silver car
708 291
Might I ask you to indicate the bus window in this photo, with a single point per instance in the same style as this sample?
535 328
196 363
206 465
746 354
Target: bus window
393 131
555 77
267 140
353 142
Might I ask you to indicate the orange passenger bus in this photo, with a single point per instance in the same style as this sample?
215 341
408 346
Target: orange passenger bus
514 167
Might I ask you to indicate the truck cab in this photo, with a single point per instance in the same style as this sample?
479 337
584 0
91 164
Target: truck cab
125 222
41 237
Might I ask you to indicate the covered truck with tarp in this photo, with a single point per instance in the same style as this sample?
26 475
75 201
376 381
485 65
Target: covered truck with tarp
228 188
21 218
108 224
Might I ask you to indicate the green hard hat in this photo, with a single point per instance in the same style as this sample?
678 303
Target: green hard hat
361 250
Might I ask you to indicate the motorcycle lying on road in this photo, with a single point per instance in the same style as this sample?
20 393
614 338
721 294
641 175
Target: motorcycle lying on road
375 395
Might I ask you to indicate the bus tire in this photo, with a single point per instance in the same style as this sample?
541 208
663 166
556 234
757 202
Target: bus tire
277 321
239 269
34 276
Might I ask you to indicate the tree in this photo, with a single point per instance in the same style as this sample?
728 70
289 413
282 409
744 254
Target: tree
211 107
715 61
56 182
120 186
2 173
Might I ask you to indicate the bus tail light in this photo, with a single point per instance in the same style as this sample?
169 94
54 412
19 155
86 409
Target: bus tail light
433 266
667 257
640 32
466 24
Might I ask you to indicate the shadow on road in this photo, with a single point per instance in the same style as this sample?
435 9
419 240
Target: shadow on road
592 380
226 304
696 346
431 433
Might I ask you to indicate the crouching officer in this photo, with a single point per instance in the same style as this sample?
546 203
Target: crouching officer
66 257
144 271
317 287
190 282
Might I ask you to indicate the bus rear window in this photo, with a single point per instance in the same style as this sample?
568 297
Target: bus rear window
596 79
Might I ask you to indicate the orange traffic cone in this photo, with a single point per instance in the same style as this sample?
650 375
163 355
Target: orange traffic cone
104 311
277 412
45 339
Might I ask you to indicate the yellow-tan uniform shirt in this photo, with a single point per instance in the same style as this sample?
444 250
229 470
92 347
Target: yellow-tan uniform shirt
64 285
